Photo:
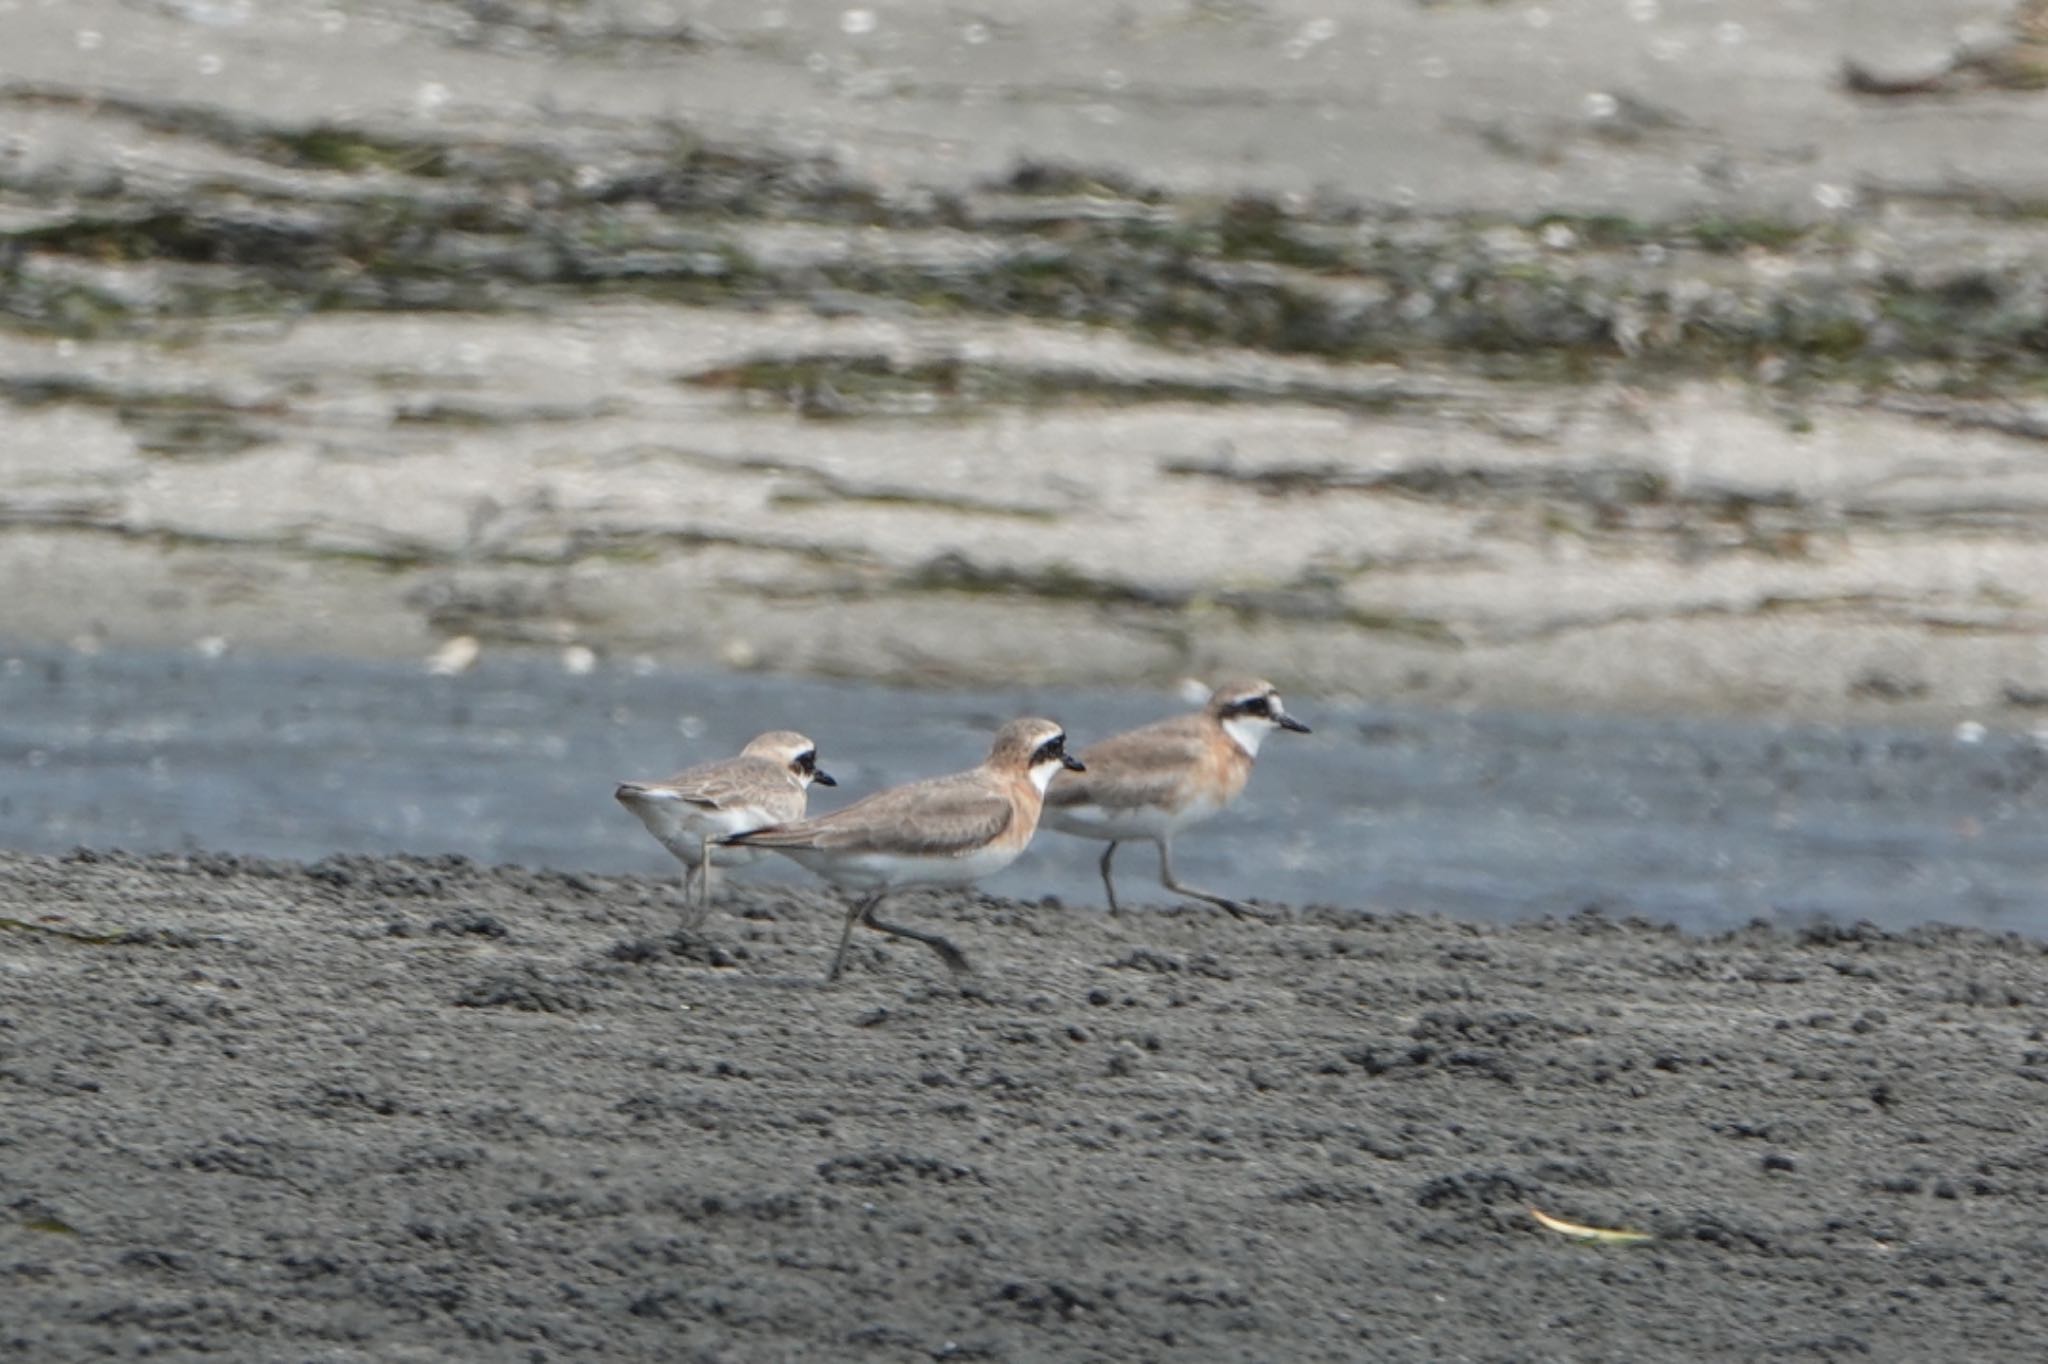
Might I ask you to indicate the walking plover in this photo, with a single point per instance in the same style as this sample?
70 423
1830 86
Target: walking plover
1152 782
768 783
940 831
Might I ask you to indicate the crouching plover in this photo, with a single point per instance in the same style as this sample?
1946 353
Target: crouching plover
936 832
769 782
1153 782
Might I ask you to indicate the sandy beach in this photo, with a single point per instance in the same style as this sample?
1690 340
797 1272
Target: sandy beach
420 1109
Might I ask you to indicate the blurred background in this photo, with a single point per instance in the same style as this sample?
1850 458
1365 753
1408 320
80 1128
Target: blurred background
1621 426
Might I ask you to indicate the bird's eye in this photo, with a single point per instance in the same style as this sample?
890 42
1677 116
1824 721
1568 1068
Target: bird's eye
1257 705
807 762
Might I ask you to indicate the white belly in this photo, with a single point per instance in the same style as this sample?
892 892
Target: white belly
682 828
887 871
1148 821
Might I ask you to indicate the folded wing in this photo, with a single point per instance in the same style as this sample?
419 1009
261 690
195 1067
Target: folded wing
726 784
1144 767
944 817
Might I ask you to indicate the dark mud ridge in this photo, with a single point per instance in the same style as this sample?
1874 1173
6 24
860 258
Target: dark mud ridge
379 1109
325 216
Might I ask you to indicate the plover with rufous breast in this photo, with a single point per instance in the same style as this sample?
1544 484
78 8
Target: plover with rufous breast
940 831
768 783
1152 782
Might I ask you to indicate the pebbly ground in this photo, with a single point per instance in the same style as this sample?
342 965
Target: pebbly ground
404 1109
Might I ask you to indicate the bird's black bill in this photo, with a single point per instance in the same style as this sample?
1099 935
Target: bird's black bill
823 778
1072 763
1289 722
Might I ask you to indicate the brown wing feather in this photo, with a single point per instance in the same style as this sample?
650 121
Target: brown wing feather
727 782
1146 766
941 817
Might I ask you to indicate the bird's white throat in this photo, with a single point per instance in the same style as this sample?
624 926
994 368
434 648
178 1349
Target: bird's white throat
1247 733
1042 773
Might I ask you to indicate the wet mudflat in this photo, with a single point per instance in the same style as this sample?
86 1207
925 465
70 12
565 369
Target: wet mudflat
371 1109
1520 356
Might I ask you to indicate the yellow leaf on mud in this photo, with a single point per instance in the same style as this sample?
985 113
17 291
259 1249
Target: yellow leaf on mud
1612 1236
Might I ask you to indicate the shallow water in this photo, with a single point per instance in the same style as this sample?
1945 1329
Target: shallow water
1488 817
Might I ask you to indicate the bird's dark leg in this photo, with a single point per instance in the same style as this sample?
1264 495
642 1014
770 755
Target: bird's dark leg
1166 878
691 918
1108 885
704 881
854 915
955 959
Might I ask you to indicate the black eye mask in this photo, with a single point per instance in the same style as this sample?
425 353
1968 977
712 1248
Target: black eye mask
1055 749
1262 706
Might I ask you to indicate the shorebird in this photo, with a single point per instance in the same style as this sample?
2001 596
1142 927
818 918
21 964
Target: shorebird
1152 782
767 783
940 831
